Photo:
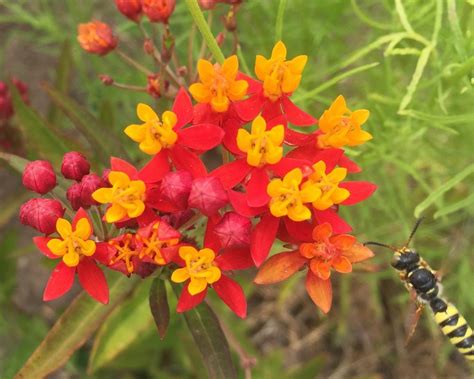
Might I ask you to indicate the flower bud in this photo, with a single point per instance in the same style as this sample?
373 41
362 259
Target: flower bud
220 38
207 4
131 9
41 214
148 46
106 79
233 230
158 10
153 85
89 184
176 187
96 37
73 194
39 176
207 195
74 166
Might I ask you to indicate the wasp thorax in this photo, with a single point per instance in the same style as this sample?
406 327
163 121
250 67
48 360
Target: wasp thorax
404 259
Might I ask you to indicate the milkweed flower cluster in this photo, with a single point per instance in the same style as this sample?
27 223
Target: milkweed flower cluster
173 215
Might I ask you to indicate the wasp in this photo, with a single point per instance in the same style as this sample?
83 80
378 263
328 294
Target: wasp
421 279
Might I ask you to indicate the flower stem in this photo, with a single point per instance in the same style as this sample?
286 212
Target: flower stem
279 20
201 23
133 62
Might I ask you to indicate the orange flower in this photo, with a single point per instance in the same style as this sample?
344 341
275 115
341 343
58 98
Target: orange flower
341 127
326 252
218 85
96 37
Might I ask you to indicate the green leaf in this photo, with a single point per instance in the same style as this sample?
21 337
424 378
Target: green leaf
210 340
63 77
73 329
159 306
16 162
37 134
454 207
125 325
442 189
101 137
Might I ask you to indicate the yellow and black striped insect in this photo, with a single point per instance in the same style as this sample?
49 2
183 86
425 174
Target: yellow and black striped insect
419 277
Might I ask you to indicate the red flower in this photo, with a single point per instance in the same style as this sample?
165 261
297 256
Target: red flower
158 10
96 37
170 141
79 253
326 251
131 9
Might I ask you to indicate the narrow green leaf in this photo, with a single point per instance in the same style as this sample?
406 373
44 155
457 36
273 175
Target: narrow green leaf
63 78
454 207
16 162
211 341
101 137
159 306
73 329
37 134
127 323
279 20
420 208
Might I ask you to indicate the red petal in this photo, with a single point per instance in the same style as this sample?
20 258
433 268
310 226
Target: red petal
117 164
351 166
171 254
42 244
257 188
322 232
292 137
183 107
59 282
342 264
320 268
288 164
235 259
201 137
238 201
250 108
343 241
93 280
299 231
306 152
279 120
232 295
103 253
231 128
187 301
183 159
147 217
271 109
339 226
166 231
263 237
280 267
320 291
210 239
296 115
156 168
254 85
330 156
358 253
81 213
232 173
359 191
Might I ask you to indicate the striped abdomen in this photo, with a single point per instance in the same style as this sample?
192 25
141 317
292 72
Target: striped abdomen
454 326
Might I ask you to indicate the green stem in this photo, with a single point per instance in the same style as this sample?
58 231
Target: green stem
203 27
279 20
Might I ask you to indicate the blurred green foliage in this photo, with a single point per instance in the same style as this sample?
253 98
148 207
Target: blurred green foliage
410 62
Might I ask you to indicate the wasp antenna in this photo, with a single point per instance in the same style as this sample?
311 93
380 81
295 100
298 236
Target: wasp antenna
417 224
380 244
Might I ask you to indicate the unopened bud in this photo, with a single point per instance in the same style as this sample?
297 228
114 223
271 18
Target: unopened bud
74 166
176 187
220 38
106 79
208 195
96 37
158 10
39 176
131 9
73 194
233 230
89 184
207 4
148 46
41 214
230 22
153 85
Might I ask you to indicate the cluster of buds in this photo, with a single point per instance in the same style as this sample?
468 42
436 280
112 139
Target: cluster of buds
274 184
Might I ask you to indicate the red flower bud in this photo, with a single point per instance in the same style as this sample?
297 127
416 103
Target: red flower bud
233 230
39 176
175 188
96 37
207 4
74 166
131 9
89 184
158 10
207 195
106 80
148 46
73 194
220 39
153 85
41 214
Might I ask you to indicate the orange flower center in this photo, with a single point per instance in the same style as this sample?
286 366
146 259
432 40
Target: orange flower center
126 250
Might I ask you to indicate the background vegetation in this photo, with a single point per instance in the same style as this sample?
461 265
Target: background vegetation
409 62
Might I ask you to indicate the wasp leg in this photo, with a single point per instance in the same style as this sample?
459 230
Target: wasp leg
413 316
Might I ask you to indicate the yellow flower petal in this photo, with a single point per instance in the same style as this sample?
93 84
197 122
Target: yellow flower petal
200 93
339 195
294 177
71 259
273 188
277 134
63 227
118 178
299 213
146 113
279 51
197 285
83 229
238 90
137 210
169 118
57 246
214 274
296 65
230 67
261 67
208 254
186 252
337 175
135 132
88 248
205 70
360 116
103 195
180 275
115 213
243 140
